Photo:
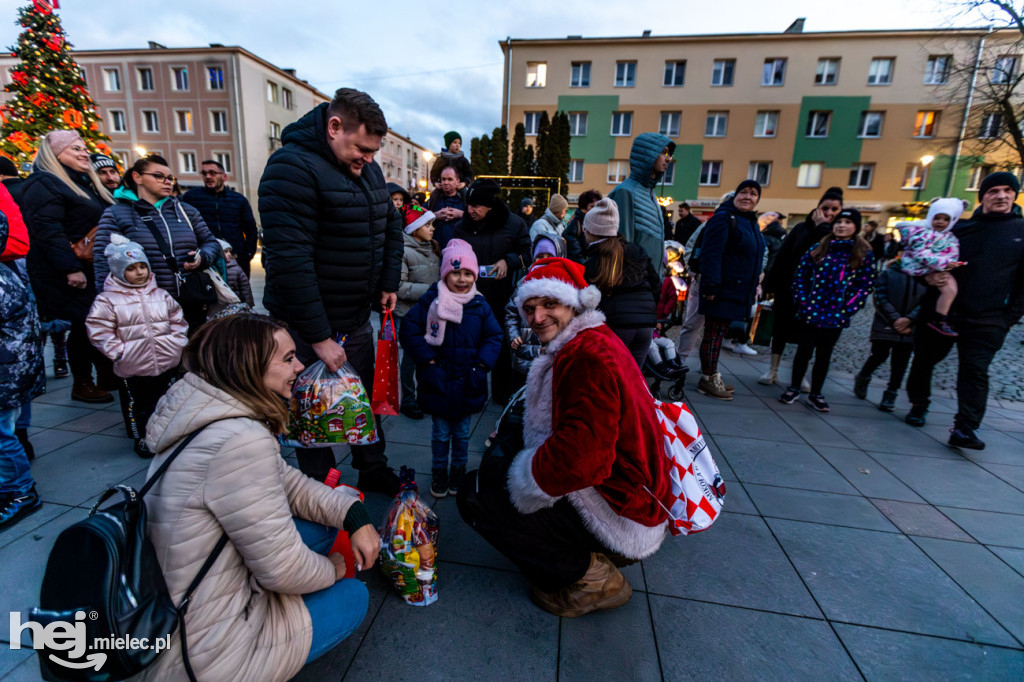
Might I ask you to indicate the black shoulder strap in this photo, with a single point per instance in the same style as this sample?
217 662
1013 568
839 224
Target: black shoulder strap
165 248
173 456
183 607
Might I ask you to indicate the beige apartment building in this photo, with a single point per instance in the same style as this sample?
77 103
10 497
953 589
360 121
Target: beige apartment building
217 102
880 114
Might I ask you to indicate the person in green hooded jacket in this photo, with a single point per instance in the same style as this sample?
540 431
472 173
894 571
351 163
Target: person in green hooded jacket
640 218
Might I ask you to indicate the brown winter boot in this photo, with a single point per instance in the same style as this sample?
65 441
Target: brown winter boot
88 392
601 587
712 385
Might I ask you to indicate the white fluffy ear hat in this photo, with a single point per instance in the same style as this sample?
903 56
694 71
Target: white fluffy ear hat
560 279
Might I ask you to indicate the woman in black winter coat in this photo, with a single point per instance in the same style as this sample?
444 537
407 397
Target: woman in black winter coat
778 281
731 254
626 278
62 201
144 206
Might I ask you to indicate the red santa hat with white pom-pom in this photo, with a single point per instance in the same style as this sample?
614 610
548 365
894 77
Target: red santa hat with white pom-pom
560 279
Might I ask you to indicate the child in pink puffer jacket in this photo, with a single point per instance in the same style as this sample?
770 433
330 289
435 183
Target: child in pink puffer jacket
142 329
931 250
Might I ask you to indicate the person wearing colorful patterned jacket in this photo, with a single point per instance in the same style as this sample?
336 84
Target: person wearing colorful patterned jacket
832 282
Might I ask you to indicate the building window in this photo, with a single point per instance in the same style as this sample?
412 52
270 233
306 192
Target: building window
187 163
817 124
1004 70
722 72
860 176
622 123
669 178
936 71
145 79
85 79
991 126
774 72
809 175
150 121
531 121
675 74
286 99
618 170
536 74
273 95
576 170
760 171
224 159
924 124
577 123
870 124
215 77
669 124
180 77
118 122
218 120
916 176
183 120
880 72
579 75
766 124
828 71
112 80
978 174
716 124
625 74
710 173
123 157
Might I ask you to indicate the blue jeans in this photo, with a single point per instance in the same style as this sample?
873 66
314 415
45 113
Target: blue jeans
335 611
454 430
15 474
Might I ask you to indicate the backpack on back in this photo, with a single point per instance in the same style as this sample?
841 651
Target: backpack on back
104 580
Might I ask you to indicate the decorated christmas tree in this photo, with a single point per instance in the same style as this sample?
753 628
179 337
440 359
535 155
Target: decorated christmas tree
48 88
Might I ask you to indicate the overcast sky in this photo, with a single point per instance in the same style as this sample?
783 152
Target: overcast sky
437 66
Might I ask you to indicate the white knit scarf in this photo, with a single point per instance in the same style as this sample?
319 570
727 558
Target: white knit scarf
447 307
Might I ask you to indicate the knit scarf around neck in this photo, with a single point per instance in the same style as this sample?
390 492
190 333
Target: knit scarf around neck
447 307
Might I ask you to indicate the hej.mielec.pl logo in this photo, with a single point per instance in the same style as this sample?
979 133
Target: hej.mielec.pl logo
72 638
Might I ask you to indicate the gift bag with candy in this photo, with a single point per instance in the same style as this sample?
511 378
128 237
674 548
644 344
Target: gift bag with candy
330 408
408 552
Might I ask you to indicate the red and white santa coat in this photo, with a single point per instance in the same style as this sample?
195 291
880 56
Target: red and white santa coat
591 433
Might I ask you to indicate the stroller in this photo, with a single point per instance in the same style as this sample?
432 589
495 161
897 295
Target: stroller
676 378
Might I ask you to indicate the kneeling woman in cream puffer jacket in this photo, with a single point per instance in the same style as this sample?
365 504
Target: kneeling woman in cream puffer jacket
272 600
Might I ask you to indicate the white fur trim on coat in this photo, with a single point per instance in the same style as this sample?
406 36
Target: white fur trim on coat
622 535
523 489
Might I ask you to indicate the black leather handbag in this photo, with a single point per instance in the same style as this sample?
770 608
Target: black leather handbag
105 568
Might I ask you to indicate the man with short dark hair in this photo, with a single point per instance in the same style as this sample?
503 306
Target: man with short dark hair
686 225
447 204
989 302
332 241
226 212
106 168
575 241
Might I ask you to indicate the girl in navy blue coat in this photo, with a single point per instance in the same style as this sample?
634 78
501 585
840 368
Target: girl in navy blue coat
832 282
454 338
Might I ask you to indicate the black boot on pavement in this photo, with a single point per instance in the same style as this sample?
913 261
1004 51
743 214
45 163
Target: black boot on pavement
14 508
860 386
963 436
380 480
916 415
888 403
411 410
439 483
455 477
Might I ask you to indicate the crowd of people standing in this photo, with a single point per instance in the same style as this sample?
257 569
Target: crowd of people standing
139 285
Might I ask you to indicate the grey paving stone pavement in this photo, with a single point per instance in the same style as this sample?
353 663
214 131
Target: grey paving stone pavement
852 547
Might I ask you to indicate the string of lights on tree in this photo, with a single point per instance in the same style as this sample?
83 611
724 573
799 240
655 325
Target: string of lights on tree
48 87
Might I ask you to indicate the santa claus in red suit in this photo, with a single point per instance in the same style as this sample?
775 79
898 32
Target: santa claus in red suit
590 487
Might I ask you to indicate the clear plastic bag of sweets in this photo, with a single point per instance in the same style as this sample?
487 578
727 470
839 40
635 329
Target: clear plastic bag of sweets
330 408
408 552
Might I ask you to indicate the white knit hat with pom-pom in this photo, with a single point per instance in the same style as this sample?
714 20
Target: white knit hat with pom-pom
122 252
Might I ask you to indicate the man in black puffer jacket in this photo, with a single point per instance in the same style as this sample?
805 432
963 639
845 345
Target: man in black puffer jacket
332 241
226 212
501 243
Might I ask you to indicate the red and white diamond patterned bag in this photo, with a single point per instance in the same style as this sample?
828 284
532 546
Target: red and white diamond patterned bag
698 491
